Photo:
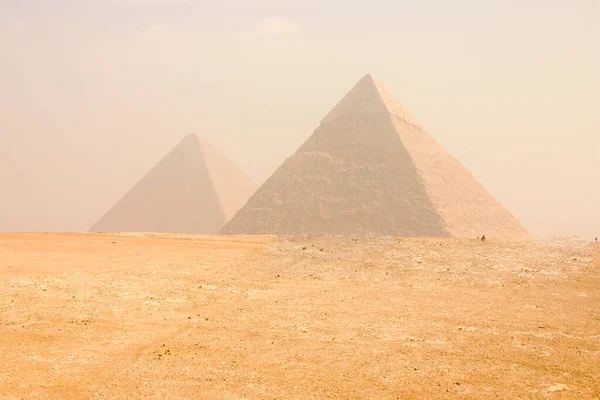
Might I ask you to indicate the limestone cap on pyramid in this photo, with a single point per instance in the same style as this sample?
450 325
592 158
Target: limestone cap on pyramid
193 189
366 96
371 168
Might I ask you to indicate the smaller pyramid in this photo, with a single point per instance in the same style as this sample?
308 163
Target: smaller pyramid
193 189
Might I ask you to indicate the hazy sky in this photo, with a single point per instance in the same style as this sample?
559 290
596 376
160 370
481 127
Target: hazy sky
94 92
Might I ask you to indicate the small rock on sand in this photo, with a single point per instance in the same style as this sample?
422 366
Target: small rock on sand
558 387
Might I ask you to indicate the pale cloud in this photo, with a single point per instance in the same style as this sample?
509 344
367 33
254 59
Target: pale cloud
276 27
271 32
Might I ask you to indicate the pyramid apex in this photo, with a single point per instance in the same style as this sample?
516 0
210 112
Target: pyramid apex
189 138
364 97
193 136
368 78
197 139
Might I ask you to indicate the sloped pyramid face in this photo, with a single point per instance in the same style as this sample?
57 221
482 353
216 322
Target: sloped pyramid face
370 168
193 189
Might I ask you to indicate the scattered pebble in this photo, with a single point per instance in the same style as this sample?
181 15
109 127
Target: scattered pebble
559 387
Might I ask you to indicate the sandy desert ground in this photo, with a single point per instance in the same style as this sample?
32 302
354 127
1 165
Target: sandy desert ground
100 316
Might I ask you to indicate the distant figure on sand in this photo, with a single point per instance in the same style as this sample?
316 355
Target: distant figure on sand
596 240
483 238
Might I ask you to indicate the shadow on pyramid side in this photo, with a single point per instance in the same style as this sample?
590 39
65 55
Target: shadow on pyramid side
193 189
370 168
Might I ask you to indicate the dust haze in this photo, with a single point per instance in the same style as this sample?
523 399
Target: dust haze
94 95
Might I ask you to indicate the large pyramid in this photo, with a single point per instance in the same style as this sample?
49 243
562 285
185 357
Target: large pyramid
193 189
370 168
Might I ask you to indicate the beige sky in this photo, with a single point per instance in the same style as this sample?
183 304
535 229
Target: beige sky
95 92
